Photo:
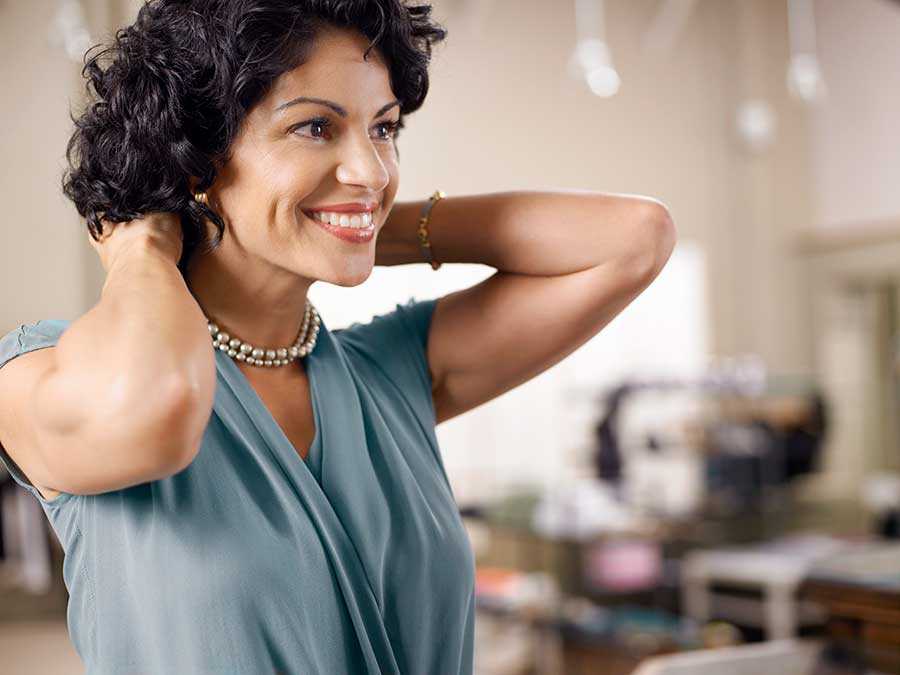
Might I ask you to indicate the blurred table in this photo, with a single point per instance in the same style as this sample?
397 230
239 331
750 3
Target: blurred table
860 592
773 570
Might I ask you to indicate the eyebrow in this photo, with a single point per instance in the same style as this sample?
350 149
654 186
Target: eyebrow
339 109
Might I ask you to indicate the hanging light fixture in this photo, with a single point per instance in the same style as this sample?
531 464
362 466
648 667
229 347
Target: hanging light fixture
804 76
69 29
592 60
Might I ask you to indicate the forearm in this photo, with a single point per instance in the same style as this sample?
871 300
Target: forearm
531 232
144 342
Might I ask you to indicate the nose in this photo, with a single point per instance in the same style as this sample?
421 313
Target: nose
360 164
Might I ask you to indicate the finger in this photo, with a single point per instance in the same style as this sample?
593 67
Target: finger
106 229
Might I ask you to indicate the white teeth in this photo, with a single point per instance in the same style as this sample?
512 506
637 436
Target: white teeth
357 220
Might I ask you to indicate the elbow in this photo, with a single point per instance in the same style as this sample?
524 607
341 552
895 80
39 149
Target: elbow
665 234
168 425
187 417
657 241
188 410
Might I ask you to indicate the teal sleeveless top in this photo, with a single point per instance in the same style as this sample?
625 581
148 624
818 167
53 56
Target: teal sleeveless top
251 560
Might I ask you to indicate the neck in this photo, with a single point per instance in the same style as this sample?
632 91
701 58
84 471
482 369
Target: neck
264 308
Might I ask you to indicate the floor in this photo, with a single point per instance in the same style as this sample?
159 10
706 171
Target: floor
38 647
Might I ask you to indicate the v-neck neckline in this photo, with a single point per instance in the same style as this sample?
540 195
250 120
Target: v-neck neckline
254 427
313 461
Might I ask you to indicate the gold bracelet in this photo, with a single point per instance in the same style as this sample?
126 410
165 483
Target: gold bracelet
424 244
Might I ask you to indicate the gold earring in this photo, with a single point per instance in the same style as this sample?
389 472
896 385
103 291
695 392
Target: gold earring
201 198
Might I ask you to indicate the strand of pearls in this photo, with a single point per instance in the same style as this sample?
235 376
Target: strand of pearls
268 358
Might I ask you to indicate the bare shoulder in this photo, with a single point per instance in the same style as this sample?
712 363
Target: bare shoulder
17 438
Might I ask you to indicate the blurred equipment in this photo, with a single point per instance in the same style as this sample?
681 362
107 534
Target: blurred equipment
718 446
582 510
646 448
881 496
623 565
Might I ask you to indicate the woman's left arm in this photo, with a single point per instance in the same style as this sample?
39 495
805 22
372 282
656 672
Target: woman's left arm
567 263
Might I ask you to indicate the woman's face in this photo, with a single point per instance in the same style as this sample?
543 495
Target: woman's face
292 157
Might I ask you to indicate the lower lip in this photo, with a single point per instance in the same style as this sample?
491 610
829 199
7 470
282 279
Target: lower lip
353 235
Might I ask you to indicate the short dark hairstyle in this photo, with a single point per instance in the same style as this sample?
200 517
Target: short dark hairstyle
168 95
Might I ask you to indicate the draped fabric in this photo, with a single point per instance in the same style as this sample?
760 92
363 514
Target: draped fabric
251 560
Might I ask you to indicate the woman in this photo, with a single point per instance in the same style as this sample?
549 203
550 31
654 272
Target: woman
279 503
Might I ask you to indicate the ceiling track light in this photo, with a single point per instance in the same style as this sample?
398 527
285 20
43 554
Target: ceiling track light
804 75
69 29
592 60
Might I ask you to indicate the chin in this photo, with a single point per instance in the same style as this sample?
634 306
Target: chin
350 278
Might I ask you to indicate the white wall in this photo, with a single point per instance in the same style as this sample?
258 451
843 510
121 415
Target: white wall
41 242
856 132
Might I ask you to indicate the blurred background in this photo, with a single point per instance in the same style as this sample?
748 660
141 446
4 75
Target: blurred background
713 482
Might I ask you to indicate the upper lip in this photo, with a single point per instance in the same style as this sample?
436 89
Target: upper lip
350 207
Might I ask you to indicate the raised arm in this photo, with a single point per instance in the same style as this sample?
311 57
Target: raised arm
567 263
127 391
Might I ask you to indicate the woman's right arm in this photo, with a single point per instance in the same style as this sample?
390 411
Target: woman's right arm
126 393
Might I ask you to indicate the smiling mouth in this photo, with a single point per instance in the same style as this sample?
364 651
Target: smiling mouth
363 220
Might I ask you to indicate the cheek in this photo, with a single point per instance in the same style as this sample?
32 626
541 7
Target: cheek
285 179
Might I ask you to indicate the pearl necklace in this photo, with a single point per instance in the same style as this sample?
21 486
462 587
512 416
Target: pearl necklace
255 356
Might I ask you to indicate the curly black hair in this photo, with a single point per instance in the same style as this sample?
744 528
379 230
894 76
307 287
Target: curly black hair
168 95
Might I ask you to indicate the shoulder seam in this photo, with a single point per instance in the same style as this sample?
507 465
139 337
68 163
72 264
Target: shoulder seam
19 336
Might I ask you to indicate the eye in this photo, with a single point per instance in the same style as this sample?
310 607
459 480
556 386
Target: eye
387 129
317 128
